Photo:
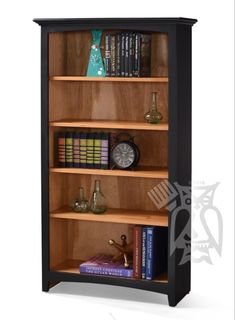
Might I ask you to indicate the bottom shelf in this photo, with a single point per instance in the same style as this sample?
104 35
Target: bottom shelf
72 266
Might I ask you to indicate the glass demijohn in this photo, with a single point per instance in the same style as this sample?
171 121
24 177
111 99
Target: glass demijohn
153 116
98 203
80 204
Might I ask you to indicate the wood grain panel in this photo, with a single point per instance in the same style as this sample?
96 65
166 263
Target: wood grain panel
58 241
104 100
82 235
120 192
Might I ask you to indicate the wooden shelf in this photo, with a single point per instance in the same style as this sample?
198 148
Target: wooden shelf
108 79
109 124
140 172
72 266
151 218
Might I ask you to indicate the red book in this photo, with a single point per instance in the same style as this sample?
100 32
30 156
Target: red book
137 252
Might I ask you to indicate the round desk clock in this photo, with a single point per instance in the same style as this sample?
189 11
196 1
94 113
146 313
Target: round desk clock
125 154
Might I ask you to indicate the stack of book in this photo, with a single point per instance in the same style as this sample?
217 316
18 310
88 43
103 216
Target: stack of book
128 54
149 251
149 256
83 150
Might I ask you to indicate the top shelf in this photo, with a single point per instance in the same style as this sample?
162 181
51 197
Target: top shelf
110 79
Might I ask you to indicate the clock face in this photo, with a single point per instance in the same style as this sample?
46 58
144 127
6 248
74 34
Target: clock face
123 155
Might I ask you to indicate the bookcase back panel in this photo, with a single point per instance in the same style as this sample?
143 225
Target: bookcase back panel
152 145
86 239
105 100
69 52
120 192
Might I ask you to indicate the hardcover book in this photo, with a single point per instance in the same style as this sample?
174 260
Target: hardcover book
61 149
137 251
76 149
108 55
104 161
90 150
97 150
103 265
122 61
127 55
69 149
145 55
118 54
83 150
113 55
144 238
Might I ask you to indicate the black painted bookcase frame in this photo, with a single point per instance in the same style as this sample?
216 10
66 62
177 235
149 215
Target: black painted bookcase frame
179 143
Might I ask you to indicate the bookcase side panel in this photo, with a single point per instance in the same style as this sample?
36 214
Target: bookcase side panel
180 161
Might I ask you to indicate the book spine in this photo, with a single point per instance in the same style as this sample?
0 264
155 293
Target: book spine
118 55
61 149
104 151
97 150
76 150
150 252
83 150
113 55
131 54
90 150
126 54
136 67
137 259
122 55
69 149
106 271
108 55
143 266
145 55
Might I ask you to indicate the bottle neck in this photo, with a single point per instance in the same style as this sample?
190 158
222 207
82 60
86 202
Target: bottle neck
81 193
97 185
154 101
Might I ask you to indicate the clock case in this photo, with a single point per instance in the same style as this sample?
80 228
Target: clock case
130 141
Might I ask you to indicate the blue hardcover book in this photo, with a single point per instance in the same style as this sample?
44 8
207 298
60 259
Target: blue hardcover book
103 265
150 248
143 267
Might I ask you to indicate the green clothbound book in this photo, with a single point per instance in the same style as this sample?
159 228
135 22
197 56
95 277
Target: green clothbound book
69 149
90 150
97 150
83 150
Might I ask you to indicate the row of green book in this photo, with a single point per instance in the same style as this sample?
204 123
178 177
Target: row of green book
83 150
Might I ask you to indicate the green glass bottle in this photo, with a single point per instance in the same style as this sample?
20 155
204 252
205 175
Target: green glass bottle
153 116
98 203
80 204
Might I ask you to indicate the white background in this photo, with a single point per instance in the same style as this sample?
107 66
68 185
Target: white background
20 238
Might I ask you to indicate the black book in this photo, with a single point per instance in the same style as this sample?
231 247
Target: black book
122 55
145 55
131 54
108 55
126 54
136 62
113 55
118 54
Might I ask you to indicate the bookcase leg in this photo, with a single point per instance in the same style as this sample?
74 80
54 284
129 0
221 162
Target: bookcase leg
174 299
47 285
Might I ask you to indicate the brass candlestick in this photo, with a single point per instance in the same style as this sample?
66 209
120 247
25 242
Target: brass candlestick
125 251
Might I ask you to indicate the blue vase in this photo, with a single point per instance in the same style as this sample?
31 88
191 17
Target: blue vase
95 65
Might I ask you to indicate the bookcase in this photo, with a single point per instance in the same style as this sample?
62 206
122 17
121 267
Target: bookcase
70 99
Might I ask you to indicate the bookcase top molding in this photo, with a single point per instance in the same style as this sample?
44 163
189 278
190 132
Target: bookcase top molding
118 22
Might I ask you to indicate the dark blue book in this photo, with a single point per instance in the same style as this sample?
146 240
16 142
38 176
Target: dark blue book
108 54
122 55
143 267
150 253
156 251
